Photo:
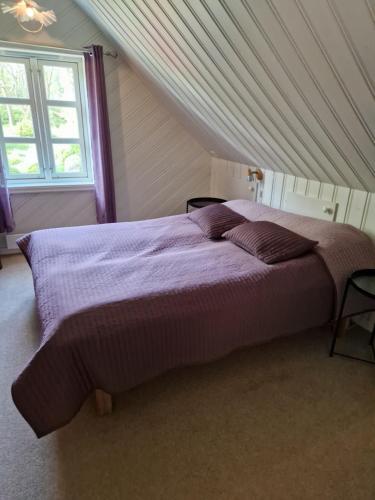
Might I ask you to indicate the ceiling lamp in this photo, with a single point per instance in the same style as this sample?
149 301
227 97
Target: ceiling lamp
28 11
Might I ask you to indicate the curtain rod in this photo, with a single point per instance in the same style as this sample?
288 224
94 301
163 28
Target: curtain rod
5 43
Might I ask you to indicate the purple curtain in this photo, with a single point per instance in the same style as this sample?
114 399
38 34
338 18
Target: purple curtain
100 135
6 216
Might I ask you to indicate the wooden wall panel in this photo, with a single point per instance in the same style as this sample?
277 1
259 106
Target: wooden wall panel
53 209
301 185
369 220
227 180
354 206
157 163
285 85
277 189
341 196
326 191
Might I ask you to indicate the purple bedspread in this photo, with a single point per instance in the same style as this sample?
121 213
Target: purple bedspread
122 303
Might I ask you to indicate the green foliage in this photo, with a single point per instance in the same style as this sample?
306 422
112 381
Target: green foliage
31 169
68 158
4 115
13 81
56 117
25 129
18 159
74 149
59 83
16 120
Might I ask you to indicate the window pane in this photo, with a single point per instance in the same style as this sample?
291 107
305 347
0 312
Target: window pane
22 159
16 120
13 81
67 158
59 82
63 122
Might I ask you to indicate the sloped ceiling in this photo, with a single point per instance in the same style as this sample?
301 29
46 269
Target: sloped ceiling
284 84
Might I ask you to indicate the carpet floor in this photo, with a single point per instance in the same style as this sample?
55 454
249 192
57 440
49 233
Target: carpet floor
274 422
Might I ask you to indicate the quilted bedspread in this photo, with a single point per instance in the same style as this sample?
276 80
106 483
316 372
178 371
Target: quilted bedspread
121 303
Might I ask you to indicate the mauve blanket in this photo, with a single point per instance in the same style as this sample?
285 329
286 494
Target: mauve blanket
343 248
122 303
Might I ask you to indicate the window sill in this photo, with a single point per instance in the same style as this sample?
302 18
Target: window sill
48 188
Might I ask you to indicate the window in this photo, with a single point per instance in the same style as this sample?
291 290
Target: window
43 119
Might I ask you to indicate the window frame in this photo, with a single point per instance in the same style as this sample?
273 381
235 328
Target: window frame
34 62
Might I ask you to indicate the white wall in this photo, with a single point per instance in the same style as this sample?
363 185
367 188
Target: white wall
157 163
229 180
355 207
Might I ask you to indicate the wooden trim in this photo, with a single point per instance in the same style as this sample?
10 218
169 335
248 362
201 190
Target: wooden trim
103 402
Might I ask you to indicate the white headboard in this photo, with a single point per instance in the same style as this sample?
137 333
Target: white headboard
312 207
351 206
315 199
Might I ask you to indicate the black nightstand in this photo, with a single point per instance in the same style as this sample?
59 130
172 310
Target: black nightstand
362 282
202 202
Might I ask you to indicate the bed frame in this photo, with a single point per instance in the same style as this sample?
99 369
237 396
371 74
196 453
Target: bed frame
104 400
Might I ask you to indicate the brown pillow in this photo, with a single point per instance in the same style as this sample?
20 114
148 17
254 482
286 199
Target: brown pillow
269 242
214 220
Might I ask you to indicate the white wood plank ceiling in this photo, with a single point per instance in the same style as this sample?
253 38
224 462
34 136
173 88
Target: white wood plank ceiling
284 84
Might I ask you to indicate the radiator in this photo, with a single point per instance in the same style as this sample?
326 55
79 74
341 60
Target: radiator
10 241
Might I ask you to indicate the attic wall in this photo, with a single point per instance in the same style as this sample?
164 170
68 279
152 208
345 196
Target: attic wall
287 85
355 207
157 164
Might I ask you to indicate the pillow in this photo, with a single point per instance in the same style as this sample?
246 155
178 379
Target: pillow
215 219
269 242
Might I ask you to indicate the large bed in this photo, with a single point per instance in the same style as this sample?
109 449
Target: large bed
121 303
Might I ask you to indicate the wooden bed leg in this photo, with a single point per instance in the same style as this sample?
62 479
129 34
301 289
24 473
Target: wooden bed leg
103 402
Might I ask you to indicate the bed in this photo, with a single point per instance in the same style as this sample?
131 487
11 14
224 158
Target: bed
122 303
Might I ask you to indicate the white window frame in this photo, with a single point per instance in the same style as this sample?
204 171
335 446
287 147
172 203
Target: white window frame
34 60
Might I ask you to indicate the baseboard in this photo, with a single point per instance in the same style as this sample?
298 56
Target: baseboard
8 244
12 251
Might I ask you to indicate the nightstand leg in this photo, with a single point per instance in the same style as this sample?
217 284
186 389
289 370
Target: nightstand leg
339 329
342 327
339 322
372 336
372 341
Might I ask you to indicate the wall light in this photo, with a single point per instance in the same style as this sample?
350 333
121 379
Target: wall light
254 175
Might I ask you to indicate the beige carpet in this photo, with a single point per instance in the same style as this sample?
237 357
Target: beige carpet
278 421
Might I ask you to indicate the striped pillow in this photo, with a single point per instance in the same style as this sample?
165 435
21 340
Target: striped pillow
214 220
269 242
